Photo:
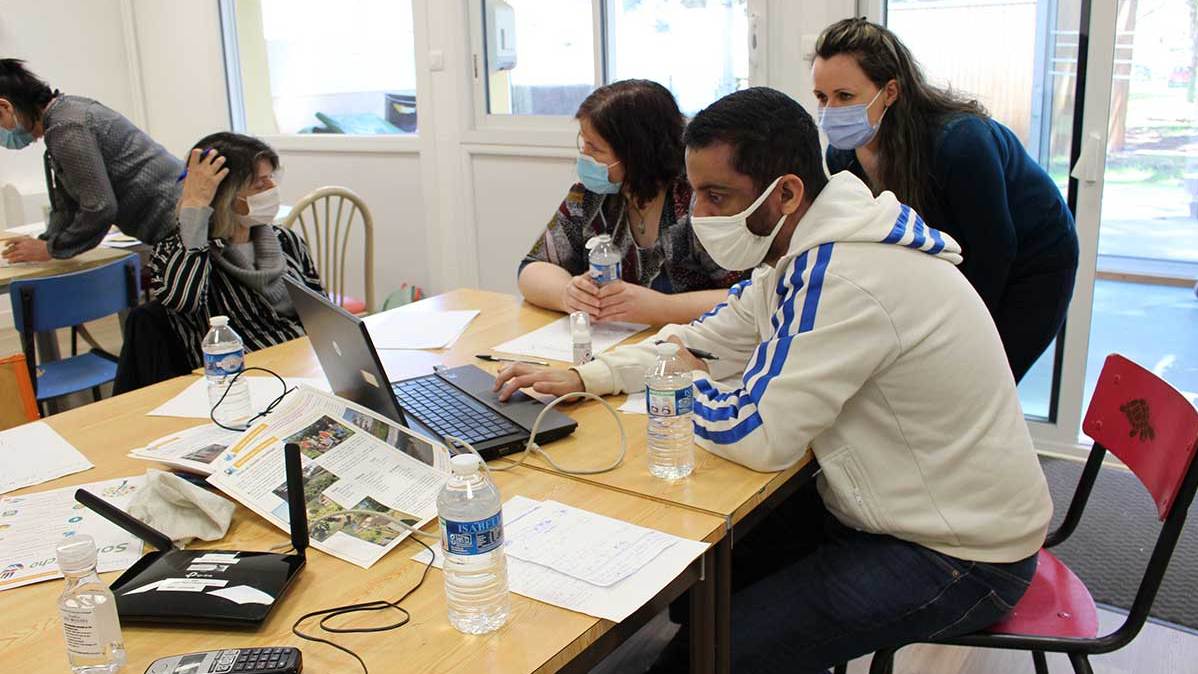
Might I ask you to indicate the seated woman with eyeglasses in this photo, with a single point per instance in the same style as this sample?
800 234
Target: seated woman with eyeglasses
633 187
228 259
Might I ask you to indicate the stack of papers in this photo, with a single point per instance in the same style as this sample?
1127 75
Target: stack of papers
408 329
192 402
34 453
194 449
555 343
32 525
584 562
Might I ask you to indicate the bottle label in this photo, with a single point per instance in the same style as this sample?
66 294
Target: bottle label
224 364
86 632
669 402
582 353
603 274
472 538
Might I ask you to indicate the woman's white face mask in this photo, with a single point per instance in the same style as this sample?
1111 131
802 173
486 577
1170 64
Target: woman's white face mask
264 207
728 239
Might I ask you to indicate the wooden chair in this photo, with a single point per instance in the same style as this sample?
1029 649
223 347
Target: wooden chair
16 390
1153 429
325 220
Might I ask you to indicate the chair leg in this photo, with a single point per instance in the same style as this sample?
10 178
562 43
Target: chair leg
883 663
1040 662
1081 663
841 669
96 395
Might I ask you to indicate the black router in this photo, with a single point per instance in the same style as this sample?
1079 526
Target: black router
230 588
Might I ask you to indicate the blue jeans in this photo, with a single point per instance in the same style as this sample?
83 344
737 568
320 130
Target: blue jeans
858 593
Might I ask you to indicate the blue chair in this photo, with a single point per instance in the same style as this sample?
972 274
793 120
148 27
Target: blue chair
67 301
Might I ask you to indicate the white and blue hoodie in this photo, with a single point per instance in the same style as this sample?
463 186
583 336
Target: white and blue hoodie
866 344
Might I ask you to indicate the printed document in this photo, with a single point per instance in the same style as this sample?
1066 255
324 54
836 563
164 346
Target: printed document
555 342
404 328
31 526
352 459
34 453
195 449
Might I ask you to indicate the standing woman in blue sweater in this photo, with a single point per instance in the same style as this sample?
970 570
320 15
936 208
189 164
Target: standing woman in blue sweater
963 172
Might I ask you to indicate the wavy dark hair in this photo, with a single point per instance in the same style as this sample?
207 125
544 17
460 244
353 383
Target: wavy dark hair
26 91
641 121
241 154
908 132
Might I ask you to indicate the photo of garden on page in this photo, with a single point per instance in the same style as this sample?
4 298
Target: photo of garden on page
352 460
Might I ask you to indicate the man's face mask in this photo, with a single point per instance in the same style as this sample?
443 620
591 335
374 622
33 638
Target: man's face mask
728 239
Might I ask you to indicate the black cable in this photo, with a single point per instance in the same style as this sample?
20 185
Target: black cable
377 605
269 408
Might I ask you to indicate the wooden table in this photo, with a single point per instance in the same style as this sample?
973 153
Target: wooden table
92 258
537 638
741 497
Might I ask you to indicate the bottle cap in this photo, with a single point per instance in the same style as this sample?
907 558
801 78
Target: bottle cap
667 349
75 554
464 464
596 240
580 325
218 321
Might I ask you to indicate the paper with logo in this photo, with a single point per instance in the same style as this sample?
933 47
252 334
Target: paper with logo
31 525
555 342
353 459
642 561
34 453
192 402
195 449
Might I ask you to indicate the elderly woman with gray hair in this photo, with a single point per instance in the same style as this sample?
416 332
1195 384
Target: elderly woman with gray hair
227 257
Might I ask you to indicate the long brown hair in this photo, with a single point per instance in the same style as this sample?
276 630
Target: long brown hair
907 134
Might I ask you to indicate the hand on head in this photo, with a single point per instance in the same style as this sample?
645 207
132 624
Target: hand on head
205 171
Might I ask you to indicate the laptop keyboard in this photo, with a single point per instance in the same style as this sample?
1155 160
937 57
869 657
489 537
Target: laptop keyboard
448 411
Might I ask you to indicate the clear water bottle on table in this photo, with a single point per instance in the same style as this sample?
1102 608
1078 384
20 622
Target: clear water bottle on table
224 359
475 568
88 611
604 260
670 400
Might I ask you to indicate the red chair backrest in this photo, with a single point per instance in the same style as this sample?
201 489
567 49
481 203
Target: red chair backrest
1147 423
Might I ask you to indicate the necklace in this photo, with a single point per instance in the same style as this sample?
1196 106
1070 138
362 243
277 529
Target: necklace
640 226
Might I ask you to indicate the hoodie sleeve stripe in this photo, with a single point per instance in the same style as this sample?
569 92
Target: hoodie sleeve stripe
734 291
748 402
900 226
919 239
937 241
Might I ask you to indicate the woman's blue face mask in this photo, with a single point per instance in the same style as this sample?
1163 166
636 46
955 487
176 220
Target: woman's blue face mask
16 137
594 175
847 126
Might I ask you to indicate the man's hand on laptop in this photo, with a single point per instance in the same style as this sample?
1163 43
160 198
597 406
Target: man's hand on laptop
549 380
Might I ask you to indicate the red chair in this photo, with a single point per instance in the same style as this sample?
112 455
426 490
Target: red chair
1153 429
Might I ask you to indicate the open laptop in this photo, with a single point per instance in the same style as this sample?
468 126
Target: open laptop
456 401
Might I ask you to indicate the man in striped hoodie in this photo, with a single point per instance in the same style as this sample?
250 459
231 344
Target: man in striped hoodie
857 337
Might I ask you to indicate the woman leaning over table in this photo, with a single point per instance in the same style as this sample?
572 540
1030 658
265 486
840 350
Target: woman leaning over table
633 188
226 257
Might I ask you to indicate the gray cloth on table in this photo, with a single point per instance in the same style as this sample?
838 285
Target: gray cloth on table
181 510
261 272
101 170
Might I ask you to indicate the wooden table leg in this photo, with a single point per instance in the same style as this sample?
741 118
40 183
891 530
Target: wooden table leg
723 605
703 621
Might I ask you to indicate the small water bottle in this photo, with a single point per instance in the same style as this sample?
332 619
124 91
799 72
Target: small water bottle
88 611
580 334
475 566
604 258
224 357
670 399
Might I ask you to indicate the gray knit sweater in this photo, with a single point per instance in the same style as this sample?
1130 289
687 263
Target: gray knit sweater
101 170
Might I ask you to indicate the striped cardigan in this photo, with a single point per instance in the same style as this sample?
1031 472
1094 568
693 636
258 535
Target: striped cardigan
192 287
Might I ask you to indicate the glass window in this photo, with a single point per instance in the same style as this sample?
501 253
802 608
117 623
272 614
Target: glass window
698 49
540 55
313 67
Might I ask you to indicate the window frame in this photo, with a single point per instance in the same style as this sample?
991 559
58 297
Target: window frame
560 130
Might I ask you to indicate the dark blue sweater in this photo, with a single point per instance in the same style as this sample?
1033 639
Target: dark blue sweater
995 200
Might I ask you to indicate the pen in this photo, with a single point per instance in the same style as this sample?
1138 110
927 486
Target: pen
697 353
497 359
184 173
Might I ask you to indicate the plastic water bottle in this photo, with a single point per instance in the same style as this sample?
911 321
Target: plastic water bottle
88 611
475 566
604 258
670 399
580 334
224 357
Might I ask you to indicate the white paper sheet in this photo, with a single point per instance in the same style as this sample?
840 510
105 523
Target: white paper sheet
192 402
31 526
635 404
34 453
555 343
195 449
615 602
407 329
